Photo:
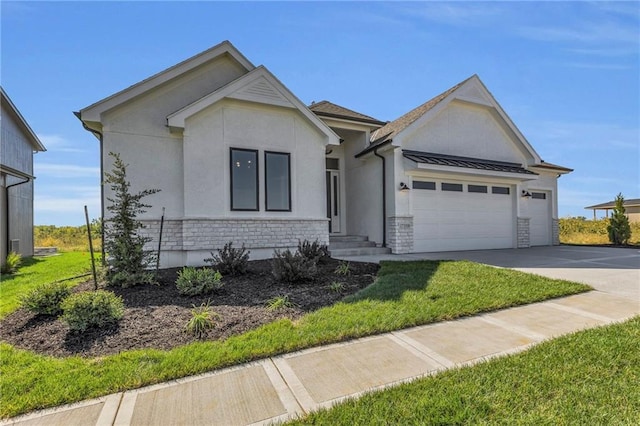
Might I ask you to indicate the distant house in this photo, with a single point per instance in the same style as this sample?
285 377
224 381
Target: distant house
18 144
631 206
238 157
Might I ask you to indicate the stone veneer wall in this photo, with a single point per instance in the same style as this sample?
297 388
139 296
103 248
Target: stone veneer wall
555 231
212 234
400 234
524 238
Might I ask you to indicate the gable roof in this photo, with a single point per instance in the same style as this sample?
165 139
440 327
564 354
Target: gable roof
22 123
329 109
93 111
258 85
397 126
632 202
394 127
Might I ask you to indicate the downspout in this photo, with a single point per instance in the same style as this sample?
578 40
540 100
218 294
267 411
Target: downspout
6 194
384 197
100 138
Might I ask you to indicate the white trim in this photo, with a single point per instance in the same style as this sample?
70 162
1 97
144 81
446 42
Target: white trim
93 111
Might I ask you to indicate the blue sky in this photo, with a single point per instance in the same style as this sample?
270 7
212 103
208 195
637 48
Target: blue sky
566 73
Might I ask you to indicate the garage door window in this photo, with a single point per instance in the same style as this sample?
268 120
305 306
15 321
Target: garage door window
481 189
457 187
417 184
500 190
539 195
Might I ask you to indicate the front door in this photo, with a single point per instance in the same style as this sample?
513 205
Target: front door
333 200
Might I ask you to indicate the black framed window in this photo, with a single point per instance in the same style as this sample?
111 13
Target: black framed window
481 189
456 187
244 179
418 184
500 190
277 173
539 195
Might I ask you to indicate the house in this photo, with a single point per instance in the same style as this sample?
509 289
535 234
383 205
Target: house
239 157
18 144
631 207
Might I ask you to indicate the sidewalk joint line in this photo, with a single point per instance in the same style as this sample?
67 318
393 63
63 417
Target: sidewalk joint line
420 350
516 329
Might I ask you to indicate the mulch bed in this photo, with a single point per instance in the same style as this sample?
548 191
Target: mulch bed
156 315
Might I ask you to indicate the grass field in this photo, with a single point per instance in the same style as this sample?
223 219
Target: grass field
37 270
405 294
588 378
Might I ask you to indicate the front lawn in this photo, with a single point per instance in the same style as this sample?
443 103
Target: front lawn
40 270
586 378
405 294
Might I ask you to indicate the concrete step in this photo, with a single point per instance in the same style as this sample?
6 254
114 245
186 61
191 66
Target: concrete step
345 238
359 251
350 244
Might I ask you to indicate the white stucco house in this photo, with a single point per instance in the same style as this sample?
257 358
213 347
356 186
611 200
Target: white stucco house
238 157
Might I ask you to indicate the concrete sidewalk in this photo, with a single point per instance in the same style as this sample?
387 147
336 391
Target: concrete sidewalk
283 387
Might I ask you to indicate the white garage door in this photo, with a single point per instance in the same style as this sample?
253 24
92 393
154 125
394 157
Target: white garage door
540 222
449 216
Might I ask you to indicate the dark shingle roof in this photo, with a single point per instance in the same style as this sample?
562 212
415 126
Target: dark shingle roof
466 162
632 202
329 109
396 126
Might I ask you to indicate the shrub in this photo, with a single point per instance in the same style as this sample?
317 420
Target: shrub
127 260
313 250
46 299
336 287
11 263
619 229
292 267
229 260
343 268
202 320
195 281
279 302
92 309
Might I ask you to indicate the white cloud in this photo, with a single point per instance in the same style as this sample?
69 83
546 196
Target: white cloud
66 170
57 143
589 136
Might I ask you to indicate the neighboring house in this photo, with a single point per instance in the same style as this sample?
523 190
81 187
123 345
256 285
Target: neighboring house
238 157
18 144
631 207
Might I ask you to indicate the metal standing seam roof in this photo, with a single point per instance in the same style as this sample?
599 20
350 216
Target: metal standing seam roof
329 109
466 162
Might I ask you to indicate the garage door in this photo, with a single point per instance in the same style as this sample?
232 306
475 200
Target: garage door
449 216
540 222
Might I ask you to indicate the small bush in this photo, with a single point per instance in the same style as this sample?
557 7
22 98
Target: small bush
313 250
336 287
202 320
229 260
195 281
11 263
92 309
292 267
46 299
343 268
279 302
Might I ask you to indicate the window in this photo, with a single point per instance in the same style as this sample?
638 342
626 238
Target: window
500 190
482 189
539 195
457 187
332 164
277 181
244 179
423 185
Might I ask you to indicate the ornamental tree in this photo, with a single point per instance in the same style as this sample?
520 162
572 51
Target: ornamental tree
619 229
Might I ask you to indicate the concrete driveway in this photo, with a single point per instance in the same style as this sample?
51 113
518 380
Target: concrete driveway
611 270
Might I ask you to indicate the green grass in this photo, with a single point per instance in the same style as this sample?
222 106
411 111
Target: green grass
37 270
405 294
587 378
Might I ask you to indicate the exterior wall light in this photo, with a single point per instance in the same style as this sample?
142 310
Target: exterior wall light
403 187
526 194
